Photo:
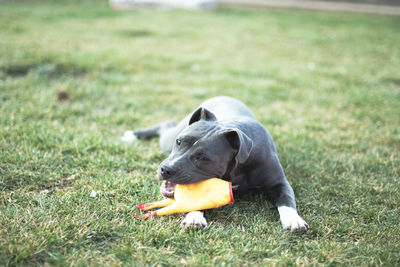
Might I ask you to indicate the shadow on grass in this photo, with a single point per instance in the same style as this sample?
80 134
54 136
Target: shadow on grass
47 69
136 33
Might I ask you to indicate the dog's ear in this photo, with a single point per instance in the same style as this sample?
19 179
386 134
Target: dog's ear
202 114
241 143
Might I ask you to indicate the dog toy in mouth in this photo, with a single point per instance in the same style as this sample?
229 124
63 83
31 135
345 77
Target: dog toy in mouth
207 194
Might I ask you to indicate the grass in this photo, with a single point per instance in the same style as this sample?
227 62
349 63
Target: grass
326 85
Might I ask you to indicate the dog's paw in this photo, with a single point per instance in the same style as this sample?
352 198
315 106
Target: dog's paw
129 137
291 220
295 224
194 218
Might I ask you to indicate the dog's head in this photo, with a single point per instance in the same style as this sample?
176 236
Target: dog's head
203 150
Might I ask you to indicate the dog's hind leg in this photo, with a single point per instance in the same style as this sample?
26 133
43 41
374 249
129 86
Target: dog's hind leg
154 131
147 133
166 130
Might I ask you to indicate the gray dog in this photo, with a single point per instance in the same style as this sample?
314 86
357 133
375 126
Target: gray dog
222 139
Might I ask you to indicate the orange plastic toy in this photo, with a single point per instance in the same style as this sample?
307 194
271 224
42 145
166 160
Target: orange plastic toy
208 194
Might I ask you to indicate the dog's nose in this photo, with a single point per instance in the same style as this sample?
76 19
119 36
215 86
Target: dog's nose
166 172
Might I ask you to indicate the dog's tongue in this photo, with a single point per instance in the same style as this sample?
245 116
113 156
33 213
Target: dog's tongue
168 189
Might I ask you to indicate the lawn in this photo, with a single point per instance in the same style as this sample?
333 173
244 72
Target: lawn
326 86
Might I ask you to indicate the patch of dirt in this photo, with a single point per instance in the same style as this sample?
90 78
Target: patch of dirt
60 185
63 96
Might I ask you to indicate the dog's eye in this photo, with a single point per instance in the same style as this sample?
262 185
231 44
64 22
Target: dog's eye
178 142
202 158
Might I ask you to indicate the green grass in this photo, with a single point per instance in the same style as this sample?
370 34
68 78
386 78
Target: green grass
326 85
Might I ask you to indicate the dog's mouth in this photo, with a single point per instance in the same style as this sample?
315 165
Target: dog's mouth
168 189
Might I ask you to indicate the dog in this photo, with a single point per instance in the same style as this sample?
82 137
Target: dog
222 139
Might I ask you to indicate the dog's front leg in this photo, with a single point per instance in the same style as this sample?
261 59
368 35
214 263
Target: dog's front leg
282 196
195 218
286 204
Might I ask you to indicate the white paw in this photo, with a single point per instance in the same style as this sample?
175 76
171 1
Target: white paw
194 218
128 137
291 220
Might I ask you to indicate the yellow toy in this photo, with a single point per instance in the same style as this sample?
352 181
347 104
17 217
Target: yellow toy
207 194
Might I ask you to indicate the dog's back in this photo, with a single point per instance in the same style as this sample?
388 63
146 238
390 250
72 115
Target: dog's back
226 108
